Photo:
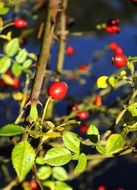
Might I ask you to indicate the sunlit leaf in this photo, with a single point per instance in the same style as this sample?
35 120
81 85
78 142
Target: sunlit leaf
102 82
21 56
62 186
23 156
71 141
11 130
44 172
132 108
59 173
114 144
5 63
82 163
58 156
12 47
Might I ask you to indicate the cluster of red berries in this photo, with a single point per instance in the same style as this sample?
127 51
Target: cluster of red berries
112 26
103 187
119 60
14 81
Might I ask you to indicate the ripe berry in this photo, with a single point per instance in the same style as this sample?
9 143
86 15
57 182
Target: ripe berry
69 50
116 29
101 187
109 29
20 23
33 185
119 50
119 60
113 22
98 100
84 68
83 128
16 83
58 90
83 115
113 46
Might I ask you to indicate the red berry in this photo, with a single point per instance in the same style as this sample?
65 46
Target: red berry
101 187
119 60
20 23
83 128
83 115
83 68
113 46
70 50
58 90
116 29
33 185
98 100
119 50
16 83
113 22
108 29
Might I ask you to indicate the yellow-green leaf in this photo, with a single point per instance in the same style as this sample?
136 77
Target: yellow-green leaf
5 63
23 156
102 82
12 47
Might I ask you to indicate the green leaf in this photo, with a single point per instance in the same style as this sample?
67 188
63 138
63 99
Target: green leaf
102 82
44 172
58 156
71 141
23 156
1 5
59 173
49 184
27 64
132 108
5 63
33 115
12 47
101 149
11 130
94 133
62 186
114 144
4 10
40 160
22 55
82 163
16 69
112 81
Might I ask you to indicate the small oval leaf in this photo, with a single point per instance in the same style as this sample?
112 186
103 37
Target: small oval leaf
21 57
58 156
11 130
102 82
59 173
82 163
5 63
12 47
71 141
114 144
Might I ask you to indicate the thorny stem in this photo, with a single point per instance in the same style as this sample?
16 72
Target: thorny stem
45 50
